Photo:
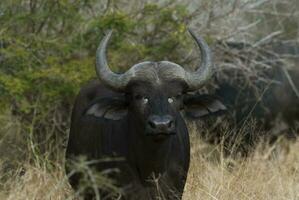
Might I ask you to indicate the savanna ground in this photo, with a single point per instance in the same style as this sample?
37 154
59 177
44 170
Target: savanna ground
47 52
270 172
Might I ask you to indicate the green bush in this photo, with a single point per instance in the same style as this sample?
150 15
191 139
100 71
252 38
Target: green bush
47 52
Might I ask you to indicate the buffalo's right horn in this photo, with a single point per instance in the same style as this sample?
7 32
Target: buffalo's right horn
113 80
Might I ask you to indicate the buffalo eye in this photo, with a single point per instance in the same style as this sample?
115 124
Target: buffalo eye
139 97
145 100
170 100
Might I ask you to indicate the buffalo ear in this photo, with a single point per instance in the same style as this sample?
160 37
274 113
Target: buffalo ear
196 105
114 108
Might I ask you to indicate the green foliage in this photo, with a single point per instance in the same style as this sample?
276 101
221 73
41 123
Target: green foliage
47 52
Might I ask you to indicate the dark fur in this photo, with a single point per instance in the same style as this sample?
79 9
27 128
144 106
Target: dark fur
98 132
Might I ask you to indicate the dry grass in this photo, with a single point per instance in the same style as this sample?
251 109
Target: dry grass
271 172
37 183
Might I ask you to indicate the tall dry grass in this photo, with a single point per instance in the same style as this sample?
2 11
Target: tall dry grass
269 173
37 183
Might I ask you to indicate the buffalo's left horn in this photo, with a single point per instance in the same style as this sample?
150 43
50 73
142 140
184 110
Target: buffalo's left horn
203 73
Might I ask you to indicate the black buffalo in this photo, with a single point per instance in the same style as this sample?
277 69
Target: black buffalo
269 97
137 116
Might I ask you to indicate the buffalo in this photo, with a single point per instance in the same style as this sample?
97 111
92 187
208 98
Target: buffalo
262 89
139 116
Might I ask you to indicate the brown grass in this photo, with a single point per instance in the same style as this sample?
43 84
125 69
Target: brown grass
37 183
271 172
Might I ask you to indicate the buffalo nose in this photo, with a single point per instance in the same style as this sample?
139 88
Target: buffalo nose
161 124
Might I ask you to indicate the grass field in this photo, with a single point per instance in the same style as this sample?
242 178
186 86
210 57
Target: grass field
270 173
47 53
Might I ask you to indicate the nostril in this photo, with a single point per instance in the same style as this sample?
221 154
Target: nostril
161 124
170 124
152 124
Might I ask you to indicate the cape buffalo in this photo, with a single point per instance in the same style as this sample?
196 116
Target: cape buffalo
137 116
270 94
259 86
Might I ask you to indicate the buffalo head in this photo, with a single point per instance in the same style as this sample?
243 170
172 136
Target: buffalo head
154 93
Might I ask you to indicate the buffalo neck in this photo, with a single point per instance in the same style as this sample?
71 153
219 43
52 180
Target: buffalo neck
151 158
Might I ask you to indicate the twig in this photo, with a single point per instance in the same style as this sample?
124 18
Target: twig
267 38
294 88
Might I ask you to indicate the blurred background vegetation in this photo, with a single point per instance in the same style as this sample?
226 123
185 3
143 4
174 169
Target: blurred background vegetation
47 52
